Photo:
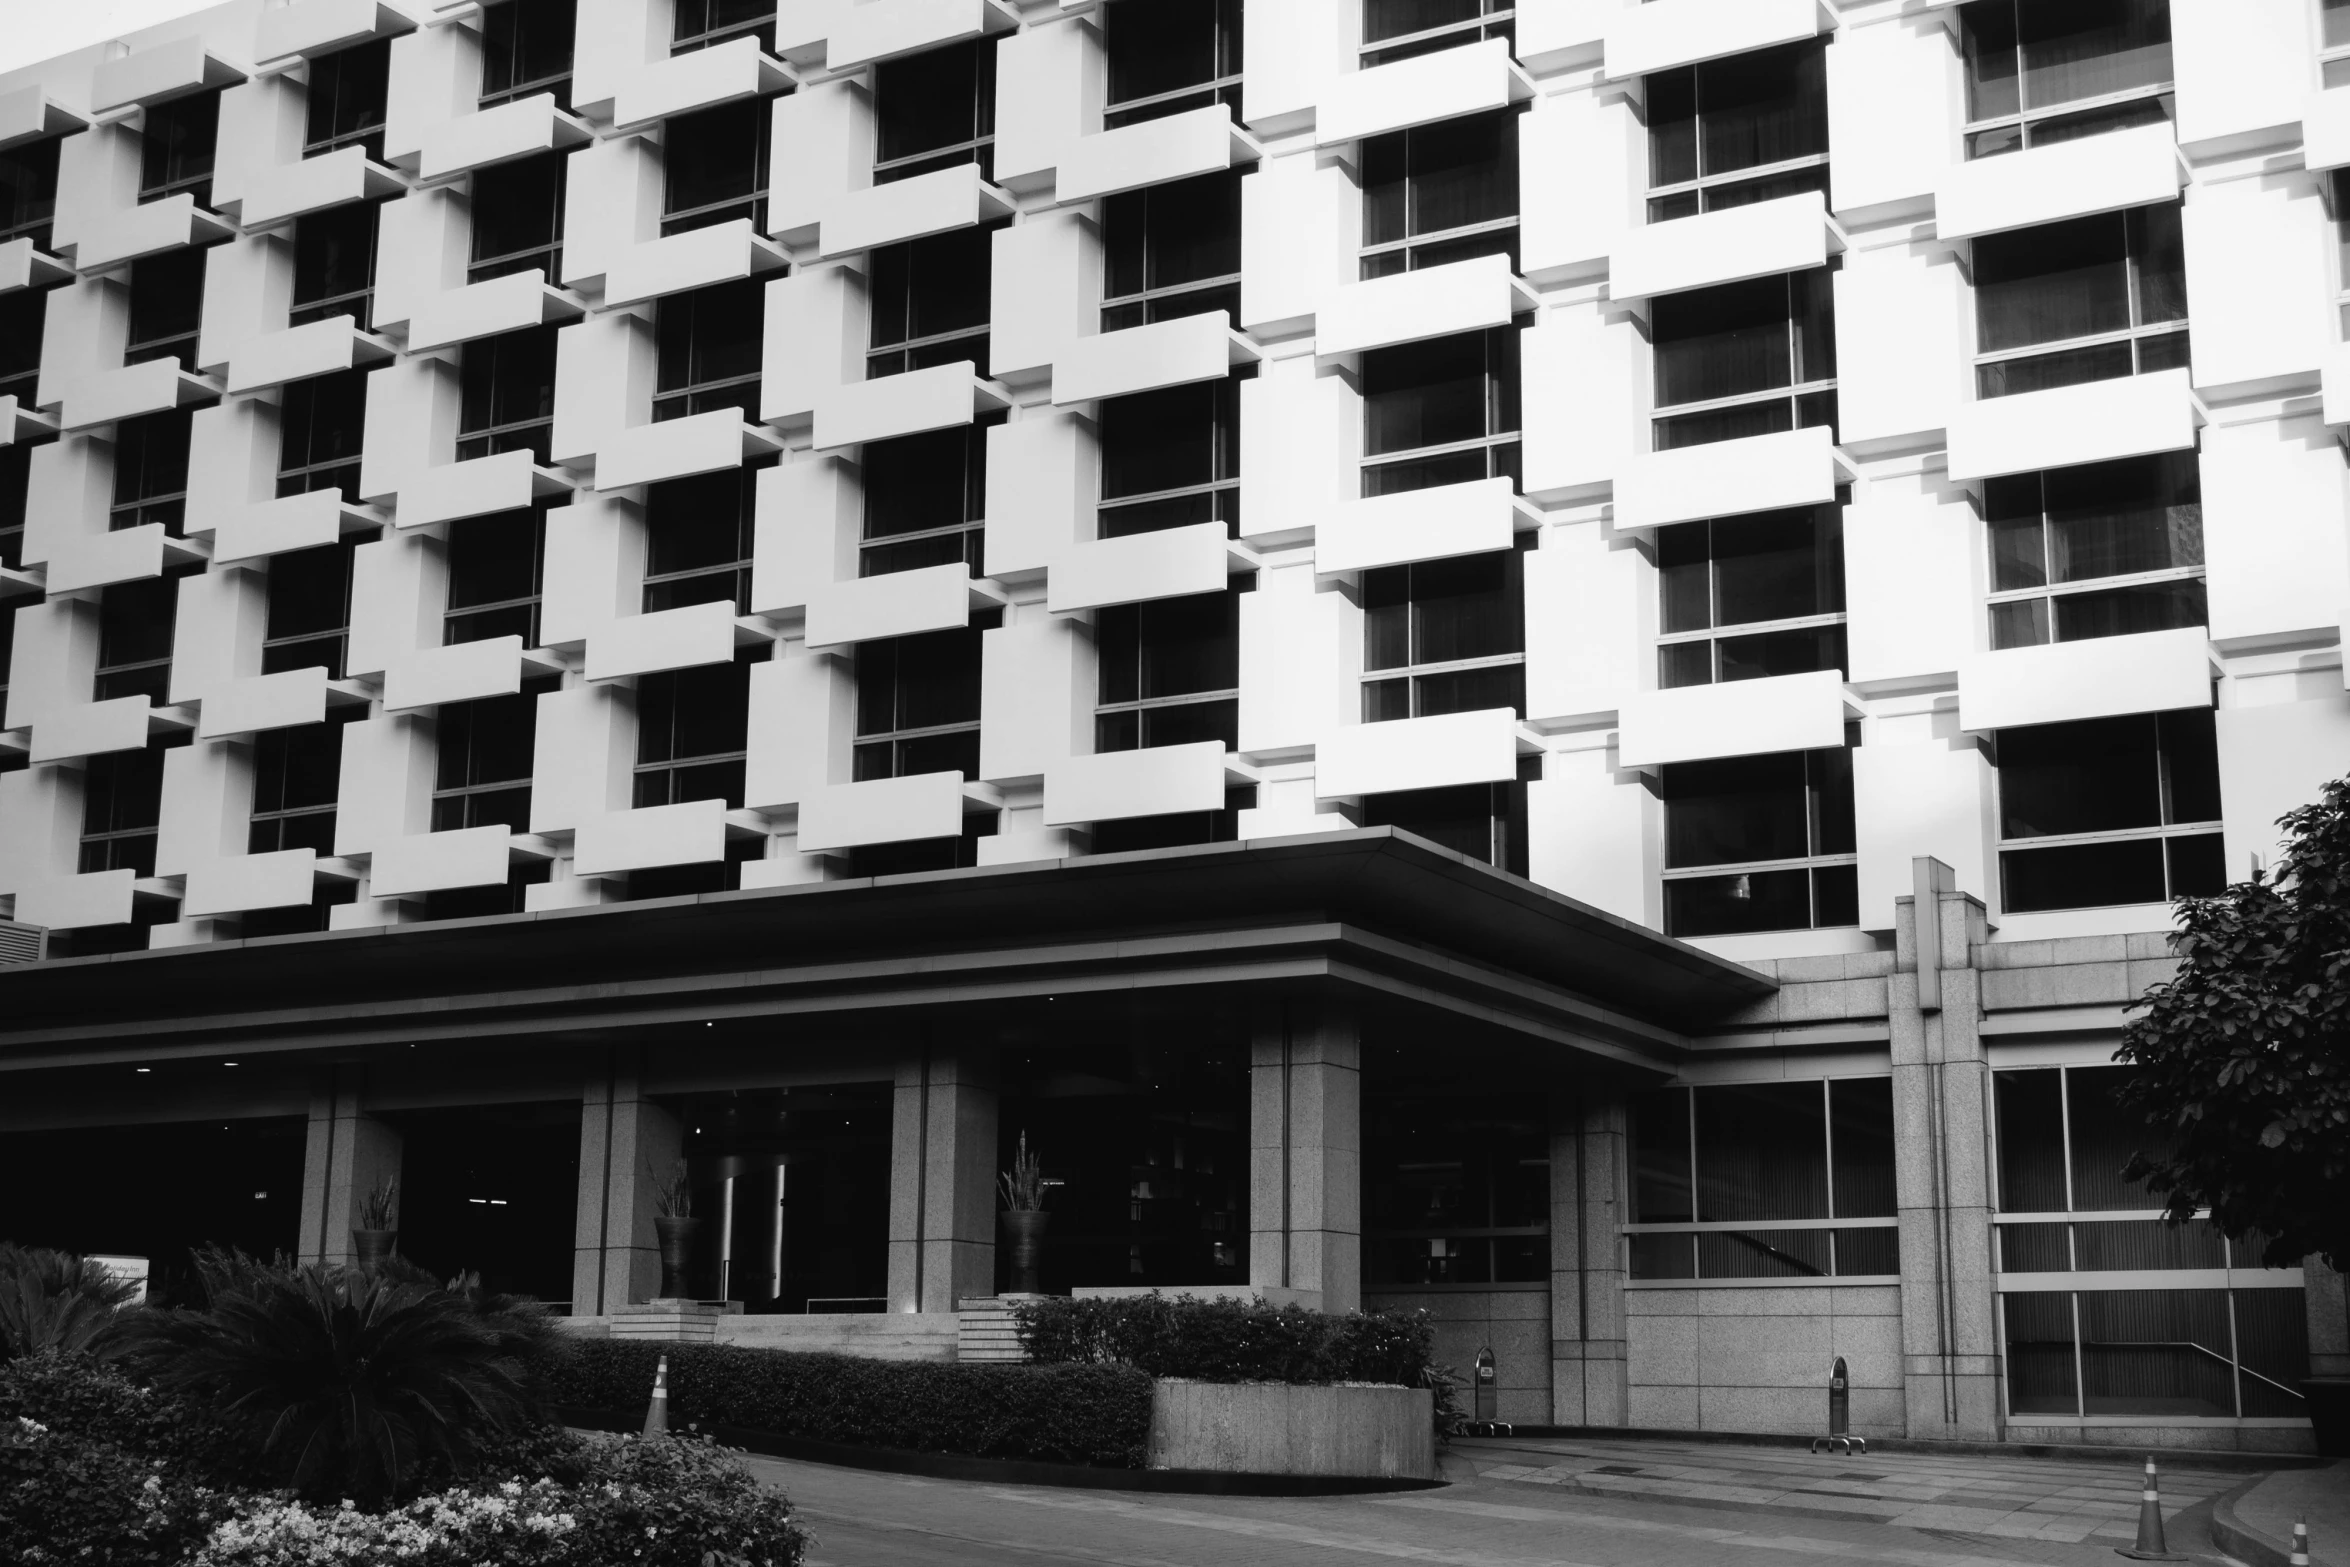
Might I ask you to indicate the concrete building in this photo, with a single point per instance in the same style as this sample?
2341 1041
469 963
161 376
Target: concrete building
1552 663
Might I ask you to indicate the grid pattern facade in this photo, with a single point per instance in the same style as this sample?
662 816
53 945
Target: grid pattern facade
1699 455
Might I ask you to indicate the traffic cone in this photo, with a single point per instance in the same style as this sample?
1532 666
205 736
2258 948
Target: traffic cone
657 1413
2151 1546
2300 1556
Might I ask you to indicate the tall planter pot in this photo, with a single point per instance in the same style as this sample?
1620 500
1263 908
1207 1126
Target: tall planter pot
677 1251
369 1247
1024 1235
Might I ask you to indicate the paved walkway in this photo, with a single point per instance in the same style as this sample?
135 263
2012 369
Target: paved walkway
2321 1496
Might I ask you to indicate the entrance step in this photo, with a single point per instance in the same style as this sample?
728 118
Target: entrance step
985 1331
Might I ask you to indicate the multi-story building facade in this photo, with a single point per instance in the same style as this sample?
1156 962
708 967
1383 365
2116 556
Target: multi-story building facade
809 588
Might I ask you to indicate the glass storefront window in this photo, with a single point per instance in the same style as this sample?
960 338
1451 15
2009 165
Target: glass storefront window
1456 1190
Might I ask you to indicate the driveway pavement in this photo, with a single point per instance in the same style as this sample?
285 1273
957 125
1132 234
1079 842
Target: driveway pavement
1533 1503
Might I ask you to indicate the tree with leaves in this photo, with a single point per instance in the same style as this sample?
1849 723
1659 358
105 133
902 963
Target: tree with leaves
2243 1057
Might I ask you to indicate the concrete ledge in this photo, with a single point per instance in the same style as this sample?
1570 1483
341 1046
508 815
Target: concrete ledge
2239 1539
1352 1430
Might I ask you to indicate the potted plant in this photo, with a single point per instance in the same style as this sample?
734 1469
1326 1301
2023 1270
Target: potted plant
378 1230
1024 1218
675 1223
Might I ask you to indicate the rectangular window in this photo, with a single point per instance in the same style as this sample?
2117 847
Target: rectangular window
122 804
692 728
925 498
1169 672
321 423
167 307
347 94
16 474
483 771
1778 577
1760 843
23 315
296 774
1439 193
1171 458
2102 550
1743 359
1172 250
1456 1190
918 702
135 621
1137 834
935 110
1399 29
309 610
698 539
2199 1344
176 148
8 608
702 23
2113 810
2038 74
709 350
2334 42
497 568
518 217
1484 821
2111 290
1445 636
714 167
526 50
507 395
28 191
151 471
1764 1181
929 301
1731 132
1441 412
1170 56
334 264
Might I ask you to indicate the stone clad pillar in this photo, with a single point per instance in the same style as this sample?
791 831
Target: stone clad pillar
1305 1152
942 1199
1588 1143
1942 1167
626 1143
348 1152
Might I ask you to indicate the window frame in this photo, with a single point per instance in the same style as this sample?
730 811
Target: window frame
465 794
2163 832
357 303
1414 669
1828 522
690 397
305 476
864 743
1138 706
1145 304
132 511
108 674
1816 391
368 135
1222 87
2333 54
2050 590
2135 334
1817 788
971 532
36 227
278 821
1495 19
180 345
751 204
2025 118
734 759
492 438
199 182
761 27
924 351
548 257
273 659
1221 491
1373 256
1503 374
532 602
978 148
557 82
1704 184
119 844
739 569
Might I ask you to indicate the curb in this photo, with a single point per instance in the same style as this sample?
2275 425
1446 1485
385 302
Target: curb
2191 1457
2239 1539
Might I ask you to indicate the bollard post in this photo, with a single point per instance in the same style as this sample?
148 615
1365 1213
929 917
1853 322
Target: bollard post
657 1412
2300 1556
2151 1547
1839 1438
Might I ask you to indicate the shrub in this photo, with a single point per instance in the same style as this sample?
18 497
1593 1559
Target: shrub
1229 1340
1067 1414
81 1400
67 1498
55 1300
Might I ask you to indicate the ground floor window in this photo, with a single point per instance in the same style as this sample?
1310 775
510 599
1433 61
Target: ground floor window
1456 1188
492 1190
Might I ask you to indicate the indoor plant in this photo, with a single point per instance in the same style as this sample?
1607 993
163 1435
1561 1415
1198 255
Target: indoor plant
675 1223
1024 1218
378 1230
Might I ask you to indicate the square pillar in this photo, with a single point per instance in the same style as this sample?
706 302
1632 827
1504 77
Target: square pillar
626 1143
1942 1171
1305 1152
942 1179
348 1152
1587 1163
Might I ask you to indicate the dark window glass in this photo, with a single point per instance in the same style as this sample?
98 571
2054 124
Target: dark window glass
507 400
1138 834
1444 636
8 609
16 473
347 93
935 110
334 263
715 164
1168 672
176 147
701 23
122 802
2142 773
709 350
296 773
1860 1114
1171 458
309 610
1172 250
1167 56
698 539
2119 272
28 190
1771 566
518 217
1441 412
918 703
2024 57
928 301
2136 517
1762 1152
1440 180
23 315
151 471
167 307
483 772
1456 1189
925 496
691 729
1486 822
1754 810
1738 344
135 622
1762 109
497 565
1405 28
321 423
526 50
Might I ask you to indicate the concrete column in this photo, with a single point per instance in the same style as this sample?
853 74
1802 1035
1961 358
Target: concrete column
1942 1166
1305 1152
942 1199
348 1152
626 1143
1587 1164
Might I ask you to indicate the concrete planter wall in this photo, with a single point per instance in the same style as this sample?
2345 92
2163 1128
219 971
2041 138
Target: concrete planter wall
1349 1429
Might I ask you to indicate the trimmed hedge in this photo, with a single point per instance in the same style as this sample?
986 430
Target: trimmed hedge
1230 1340
1078 1414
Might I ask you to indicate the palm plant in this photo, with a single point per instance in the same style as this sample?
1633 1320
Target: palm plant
56 1300
380 1209
348 1381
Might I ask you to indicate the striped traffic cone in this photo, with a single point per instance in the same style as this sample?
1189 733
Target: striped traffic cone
2300 1556
657 1413
2151 1546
